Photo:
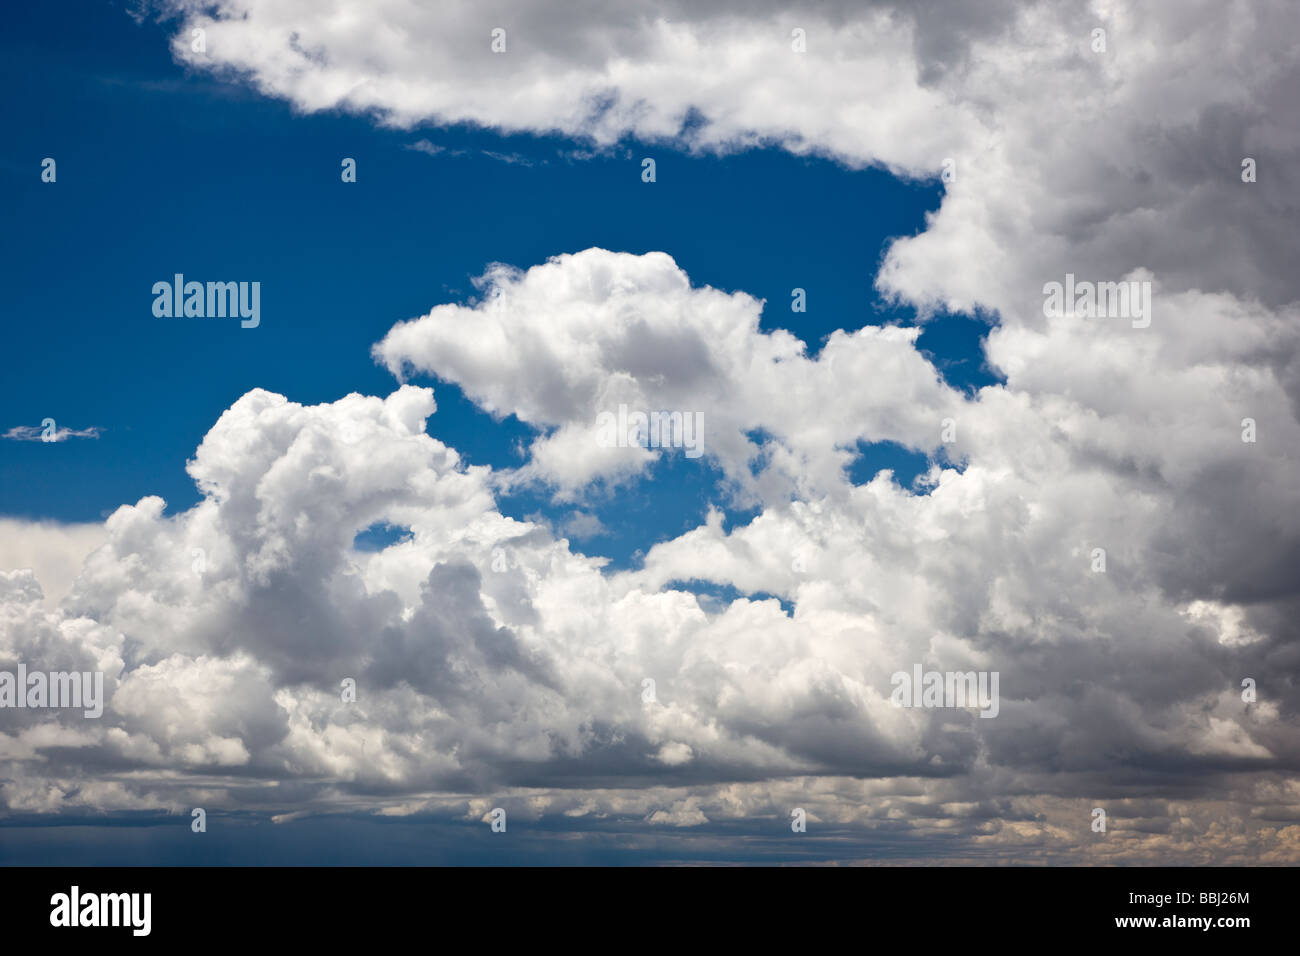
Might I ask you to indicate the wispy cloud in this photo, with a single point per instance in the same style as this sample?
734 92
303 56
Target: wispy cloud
434 149
512 159
39 433
431 149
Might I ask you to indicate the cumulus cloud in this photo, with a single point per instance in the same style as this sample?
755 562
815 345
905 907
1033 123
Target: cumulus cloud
564 343
1065 157
235 623
225 632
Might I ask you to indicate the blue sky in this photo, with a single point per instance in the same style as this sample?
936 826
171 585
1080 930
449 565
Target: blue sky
162 172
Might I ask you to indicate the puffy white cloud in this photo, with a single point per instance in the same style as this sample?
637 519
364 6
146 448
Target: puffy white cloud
490 656
568 342
1067 158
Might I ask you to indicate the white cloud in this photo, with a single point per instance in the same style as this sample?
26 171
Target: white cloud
1066 159
563 343
53 434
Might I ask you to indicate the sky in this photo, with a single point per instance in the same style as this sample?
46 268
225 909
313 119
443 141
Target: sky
212 182
397 478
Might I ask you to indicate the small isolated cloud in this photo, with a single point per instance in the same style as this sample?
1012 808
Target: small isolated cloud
50 433
433 149
424 146
511 159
